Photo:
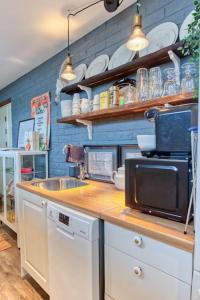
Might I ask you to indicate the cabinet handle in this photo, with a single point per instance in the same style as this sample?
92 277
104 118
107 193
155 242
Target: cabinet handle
44 203
137 271
137 241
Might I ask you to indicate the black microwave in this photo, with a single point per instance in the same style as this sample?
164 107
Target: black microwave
159 187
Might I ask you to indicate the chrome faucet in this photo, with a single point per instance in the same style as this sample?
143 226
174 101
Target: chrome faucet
83 172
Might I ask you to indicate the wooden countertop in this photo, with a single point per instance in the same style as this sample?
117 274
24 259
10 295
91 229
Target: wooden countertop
102 200
94 198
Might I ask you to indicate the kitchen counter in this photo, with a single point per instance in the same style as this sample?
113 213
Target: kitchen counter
102 200
94 198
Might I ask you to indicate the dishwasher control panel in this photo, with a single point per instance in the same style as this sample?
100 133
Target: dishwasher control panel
64 219
73 222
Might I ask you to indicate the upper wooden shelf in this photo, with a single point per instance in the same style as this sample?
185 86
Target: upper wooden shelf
129 110
157 58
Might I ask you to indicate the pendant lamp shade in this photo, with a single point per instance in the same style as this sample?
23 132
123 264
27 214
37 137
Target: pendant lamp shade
137 41
68 73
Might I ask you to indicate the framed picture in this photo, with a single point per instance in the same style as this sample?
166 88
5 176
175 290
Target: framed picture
128 151
40 111
25 125
101 161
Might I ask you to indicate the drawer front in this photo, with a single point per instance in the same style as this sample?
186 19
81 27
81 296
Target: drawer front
128 278
171 260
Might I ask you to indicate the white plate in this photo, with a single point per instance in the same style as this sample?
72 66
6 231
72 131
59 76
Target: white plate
120 57
98 65
80 72
160 37
184 27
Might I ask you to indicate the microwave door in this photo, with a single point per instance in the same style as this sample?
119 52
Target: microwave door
156 187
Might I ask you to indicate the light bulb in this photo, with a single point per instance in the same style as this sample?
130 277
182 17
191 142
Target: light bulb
137 41
68 73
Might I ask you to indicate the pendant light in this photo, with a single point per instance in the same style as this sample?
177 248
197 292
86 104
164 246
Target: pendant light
68 73
137 41
110 6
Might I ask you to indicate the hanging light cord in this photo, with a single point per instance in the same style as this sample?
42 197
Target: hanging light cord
81 10
76 13
138 6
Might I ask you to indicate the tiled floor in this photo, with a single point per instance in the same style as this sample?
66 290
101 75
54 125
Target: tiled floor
12 287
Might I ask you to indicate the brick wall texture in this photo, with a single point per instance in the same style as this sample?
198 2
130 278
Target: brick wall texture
103 40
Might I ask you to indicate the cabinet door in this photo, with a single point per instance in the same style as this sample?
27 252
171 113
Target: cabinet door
34 237
1 189
130 279
10 190
167 259
196 286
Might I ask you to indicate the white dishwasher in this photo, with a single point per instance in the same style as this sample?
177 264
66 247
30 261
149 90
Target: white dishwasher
73 243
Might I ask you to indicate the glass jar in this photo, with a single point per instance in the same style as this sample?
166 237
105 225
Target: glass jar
188 80
114 96
155 83
142 84
170 86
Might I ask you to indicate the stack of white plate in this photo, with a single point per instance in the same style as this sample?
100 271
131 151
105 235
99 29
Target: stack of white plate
76 107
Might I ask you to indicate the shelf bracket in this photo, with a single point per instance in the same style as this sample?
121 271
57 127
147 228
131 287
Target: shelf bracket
176 61
89 127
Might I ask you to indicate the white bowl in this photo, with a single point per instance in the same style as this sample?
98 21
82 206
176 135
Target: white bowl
146 142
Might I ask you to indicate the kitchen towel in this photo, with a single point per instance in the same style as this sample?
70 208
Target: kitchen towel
74 154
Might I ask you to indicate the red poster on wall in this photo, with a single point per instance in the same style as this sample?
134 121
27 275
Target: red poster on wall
40 111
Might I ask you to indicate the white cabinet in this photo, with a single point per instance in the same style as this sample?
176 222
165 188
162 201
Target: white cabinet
135 274
196 286
171 260
17 166
33 229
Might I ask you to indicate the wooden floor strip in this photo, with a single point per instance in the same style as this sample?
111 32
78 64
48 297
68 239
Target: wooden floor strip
4 243
12 286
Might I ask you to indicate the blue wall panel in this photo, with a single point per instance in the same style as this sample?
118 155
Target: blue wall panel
103 40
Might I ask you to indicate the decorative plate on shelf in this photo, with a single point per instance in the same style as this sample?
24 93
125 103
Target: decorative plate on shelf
97 66
120 57
80 72
160 37
184 27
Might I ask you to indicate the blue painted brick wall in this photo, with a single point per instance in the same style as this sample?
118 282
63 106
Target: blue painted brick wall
103 40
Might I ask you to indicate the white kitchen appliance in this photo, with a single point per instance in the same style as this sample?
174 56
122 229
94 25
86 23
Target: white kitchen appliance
73 243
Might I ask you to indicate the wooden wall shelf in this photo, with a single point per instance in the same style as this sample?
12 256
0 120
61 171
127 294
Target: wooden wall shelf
155 59
130 110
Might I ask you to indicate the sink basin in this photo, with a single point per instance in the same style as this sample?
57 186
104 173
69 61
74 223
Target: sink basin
59 184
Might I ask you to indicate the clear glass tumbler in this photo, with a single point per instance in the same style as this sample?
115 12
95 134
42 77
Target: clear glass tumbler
142 84
155 83
170 86
188 81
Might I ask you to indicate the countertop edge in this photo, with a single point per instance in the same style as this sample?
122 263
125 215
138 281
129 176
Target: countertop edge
170 239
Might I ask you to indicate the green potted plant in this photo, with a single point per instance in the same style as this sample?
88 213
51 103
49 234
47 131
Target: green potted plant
191 44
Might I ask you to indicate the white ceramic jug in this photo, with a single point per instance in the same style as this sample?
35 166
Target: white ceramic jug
118 178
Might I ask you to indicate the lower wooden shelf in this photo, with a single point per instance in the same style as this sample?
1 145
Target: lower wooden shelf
131 109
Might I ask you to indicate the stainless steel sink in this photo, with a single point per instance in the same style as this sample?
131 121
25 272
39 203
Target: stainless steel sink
59 184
